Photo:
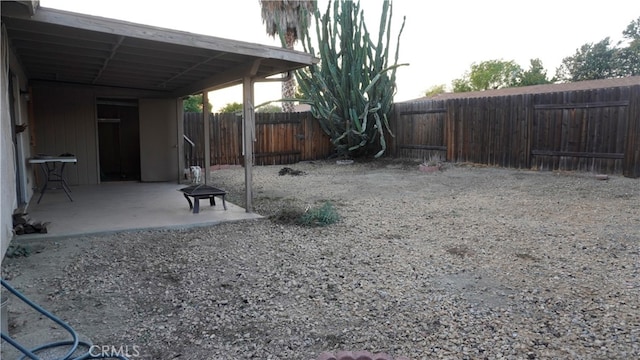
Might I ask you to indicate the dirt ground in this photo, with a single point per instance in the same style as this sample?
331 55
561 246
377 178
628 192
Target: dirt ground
465 262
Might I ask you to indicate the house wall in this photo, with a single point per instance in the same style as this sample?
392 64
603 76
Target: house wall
7 177
23 139
9 201
65 121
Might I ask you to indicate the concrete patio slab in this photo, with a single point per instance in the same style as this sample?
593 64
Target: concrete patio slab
123 206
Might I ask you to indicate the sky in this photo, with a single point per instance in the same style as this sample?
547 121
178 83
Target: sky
440 41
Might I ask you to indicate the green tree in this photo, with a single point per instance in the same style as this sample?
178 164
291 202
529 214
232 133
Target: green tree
461 85
269 108
231 108
602 60
351 90
590 62
289 19
629 57
632 32
535 75
490 74
435 90
193 103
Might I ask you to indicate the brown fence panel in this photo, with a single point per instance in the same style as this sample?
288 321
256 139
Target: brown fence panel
194 140
490 130
226 139
581 130
594 130
316 144
287 138
474 130
278 138
419 130
281 138
587 130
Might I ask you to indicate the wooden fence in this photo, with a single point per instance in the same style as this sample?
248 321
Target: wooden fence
595 129
281 138
588 130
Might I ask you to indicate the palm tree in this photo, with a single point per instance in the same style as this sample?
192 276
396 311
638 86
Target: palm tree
293 17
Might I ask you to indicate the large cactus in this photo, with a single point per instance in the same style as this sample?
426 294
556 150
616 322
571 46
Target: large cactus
351 90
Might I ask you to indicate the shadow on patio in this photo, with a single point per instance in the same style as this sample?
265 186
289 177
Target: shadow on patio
123 206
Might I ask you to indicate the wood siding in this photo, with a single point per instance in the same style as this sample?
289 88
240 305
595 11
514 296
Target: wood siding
587 130
64 120
281 138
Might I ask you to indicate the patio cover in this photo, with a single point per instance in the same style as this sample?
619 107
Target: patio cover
61 46
55 45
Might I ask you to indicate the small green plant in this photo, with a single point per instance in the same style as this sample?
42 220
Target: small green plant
320 216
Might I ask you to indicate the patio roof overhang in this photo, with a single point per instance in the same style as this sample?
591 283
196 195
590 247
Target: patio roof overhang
61 46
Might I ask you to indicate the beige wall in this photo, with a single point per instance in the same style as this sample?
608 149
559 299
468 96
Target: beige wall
65 122
159 140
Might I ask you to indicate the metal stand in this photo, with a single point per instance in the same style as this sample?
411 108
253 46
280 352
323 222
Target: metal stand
54 174
53 171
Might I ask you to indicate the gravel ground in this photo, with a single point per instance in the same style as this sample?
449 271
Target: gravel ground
467 262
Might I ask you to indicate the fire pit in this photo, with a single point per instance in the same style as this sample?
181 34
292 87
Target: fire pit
198 192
